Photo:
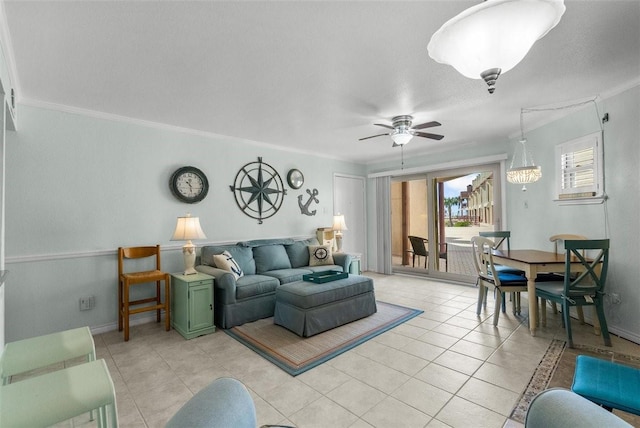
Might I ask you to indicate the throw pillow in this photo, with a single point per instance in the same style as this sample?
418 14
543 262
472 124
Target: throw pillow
271 257
320 255
226 262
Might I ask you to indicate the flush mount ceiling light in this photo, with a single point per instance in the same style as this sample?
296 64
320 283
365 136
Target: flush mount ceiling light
494 36
528 172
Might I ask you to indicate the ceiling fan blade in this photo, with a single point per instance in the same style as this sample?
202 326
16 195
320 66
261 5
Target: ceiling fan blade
385 126
373 136
427 125
429 135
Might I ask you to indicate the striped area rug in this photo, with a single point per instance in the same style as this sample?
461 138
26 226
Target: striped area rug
295 354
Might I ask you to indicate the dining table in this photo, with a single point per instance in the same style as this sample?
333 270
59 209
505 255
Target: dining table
533 262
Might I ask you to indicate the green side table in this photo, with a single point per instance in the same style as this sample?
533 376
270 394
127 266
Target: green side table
192 304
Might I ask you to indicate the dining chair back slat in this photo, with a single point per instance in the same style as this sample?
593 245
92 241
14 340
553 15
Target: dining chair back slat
586 288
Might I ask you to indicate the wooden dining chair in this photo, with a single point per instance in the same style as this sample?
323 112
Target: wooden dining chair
585 289
128 279
490 278
501 237
557 240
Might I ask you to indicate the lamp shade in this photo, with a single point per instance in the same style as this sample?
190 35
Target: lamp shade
492 37
188 228
338 223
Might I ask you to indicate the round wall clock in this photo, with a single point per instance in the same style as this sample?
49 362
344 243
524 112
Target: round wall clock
258 190
295 178
189 184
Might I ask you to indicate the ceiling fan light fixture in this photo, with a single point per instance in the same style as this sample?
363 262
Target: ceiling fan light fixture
401 136
492 37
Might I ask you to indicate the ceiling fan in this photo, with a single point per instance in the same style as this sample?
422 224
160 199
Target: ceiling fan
402 132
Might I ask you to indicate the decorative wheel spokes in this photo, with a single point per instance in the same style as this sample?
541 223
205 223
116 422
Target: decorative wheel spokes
258 190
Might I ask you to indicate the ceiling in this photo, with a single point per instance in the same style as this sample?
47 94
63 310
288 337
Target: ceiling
312 76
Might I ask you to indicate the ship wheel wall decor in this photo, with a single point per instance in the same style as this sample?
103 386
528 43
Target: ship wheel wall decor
259 190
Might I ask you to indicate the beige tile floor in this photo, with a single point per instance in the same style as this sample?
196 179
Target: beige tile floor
446 367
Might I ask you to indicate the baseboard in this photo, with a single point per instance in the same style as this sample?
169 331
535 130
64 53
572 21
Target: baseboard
106 328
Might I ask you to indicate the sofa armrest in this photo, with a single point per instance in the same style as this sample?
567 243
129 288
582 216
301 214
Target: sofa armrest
342 259
559 408
225 283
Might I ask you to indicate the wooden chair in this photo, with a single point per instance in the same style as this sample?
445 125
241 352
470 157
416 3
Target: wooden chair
502 237
127 279
585 289
418 248
554 276
489 277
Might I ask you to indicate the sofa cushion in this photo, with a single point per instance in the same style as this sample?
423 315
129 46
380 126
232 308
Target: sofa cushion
286 276
225 261
320 255
242 255
298 252
255 285
261 242
270 257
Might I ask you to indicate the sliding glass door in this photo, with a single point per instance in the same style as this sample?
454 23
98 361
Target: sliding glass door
437 213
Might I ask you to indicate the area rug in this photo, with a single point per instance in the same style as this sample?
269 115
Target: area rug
295 354
556 370
540 379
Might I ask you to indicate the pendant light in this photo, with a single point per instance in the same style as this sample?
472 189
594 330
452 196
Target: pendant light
492 37
528 172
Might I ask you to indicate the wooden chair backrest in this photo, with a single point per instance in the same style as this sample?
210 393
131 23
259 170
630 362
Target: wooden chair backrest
138 253
565 237
483 258
595 268
504 235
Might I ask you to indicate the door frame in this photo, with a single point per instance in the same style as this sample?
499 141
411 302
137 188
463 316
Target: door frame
361 199
383 252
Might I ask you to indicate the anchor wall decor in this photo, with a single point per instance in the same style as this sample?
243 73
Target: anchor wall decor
304 208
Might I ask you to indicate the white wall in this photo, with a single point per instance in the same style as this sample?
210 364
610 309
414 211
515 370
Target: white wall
77 187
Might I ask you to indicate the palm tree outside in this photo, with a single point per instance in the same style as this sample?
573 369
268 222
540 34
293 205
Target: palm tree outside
449 203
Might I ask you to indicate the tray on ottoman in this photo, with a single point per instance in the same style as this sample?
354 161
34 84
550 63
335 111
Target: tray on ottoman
326 276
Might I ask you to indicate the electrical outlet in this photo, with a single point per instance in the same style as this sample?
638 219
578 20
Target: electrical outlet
87 303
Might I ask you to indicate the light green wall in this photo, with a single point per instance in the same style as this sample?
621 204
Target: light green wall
78 187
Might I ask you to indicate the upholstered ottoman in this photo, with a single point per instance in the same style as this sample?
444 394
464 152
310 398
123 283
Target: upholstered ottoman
307 308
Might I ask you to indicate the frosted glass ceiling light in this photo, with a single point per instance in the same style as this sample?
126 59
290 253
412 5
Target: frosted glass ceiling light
401 136
494 36
528 172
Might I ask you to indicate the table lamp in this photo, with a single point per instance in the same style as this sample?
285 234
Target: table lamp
339 225
188 228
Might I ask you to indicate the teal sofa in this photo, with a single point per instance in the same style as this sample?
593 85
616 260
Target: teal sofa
266 264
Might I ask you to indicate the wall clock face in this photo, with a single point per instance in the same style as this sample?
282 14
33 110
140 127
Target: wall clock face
258 190
295 178
189 184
